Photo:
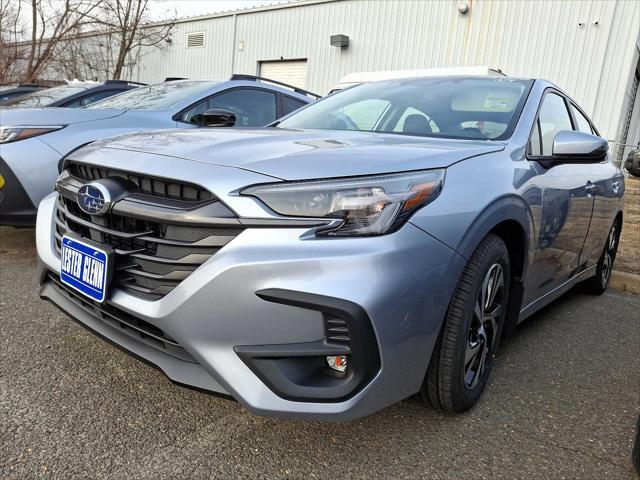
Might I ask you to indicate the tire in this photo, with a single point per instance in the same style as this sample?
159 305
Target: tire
598 284
463 356
635 453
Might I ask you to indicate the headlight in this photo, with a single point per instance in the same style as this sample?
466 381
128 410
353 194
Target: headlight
20 132
368 205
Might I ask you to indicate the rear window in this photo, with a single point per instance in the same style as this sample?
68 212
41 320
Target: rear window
155 97
479 108
47 96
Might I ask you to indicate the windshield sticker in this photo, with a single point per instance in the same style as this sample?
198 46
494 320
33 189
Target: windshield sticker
497 102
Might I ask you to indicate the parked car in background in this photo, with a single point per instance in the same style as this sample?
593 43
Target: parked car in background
358 78
72 95
632 162
12 92
33 141
368 247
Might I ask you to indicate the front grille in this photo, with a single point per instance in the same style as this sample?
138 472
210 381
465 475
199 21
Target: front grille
124 322
150 257
157 187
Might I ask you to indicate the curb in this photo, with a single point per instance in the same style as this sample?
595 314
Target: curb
627 282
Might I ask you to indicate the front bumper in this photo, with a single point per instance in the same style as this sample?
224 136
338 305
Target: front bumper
399 284
30 168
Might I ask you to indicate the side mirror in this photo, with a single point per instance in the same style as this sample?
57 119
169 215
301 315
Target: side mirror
578 147
215 117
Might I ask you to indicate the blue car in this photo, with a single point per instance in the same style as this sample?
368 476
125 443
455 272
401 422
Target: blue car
34 141
373 245
71 95
13 92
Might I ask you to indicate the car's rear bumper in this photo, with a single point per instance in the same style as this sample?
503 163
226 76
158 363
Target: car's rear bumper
252 318
16 208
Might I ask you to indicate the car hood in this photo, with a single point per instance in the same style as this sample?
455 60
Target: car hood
303 154
54 115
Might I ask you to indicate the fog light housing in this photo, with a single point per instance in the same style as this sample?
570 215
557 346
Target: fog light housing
337 363
1 181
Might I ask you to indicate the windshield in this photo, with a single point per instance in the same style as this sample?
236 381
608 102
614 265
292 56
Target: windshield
47 96
155 97
452 107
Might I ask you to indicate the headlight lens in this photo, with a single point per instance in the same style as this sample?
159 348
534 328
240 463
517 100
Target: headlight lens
20 132
368 205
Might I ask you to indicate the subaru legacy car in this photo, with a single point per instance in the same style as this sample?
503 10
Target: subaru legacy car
33 141
368 247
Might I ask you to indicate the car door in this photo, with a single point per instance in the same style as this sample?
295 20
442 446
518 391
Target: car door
566 203
253 107
606 181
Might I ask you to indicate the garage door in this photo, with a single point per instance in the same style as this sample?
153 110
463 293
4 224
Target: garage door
292 72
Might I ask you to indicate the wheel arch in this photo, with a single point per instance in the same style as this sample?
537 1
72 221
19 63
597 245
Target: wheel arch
509 218
619 218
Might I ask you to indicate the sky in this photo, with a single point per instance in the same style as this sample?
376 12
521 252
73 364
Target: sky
163 9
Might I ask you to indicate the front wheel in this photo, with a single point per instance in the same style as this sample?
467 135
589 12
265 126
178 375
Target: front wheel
462 359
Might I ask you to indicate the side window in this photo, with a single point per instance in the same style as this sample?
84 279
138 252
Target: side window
8 96
91 98
290 104
253 108
553 117
187 115
583 124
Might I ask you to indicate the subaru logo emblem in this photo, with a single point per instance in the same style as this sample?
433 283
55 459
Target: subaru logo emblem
94 198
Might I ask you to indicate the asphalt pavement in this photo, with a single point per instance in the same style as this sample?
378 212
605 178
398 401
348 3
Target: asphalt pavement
562 403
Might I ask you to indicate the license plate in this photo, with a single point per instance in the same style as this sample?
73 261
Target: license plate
84 268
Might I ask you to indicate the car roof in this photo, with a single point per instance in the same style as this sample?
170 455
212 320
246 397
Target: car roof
357 78
246 81
20 88
219 85
121 85
241 80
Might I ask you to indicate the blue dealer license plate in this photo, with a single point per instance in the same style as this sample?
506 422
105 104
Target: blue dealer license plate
84 268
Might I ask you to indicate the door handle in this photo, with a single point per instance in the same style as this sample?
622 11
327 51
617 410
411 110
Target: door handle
589 187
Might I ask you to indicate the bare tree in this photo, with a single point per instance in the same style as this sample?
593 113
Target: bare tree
52 23
11 33
87 39
128 31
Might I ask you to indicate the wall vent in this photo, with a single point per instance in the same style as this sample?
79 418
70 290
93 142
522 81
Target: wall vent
195 39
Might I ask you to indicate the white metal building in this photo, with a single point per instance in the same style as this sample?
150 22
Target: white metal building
590 48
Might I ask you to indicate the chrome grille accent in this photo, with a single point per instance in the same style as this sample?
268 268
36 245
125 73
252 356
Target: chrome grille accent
152 255
147 185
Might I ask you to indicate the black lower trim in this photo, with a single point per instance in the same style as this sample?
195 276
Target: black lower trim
140 358
298 371
182 373
16 208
